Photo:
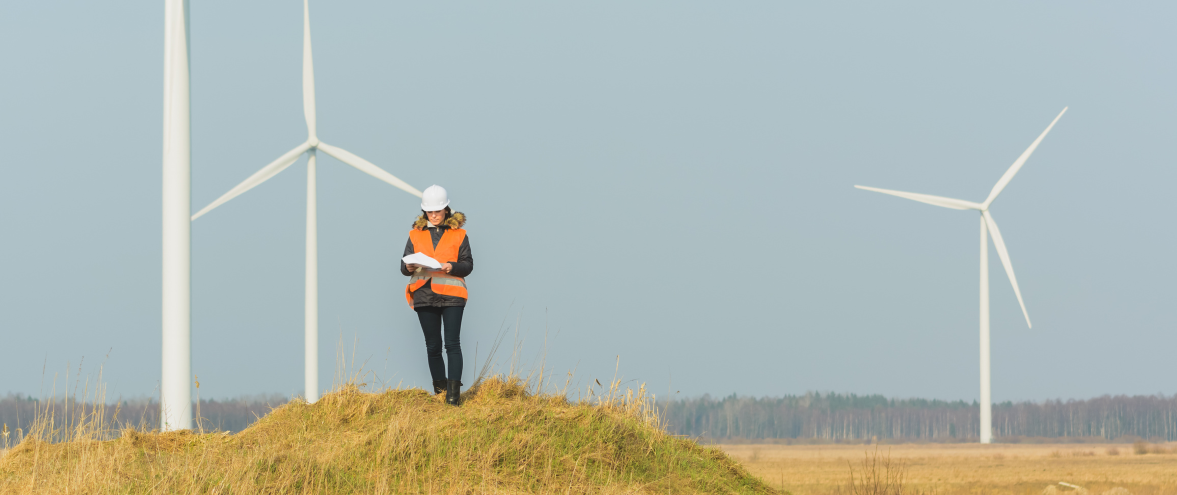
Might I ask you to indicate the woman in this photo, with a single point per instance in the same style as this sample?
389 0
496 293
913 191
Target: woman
439 296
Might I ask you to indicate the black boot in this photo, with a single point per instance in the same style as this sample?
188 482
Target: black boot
439 386
453 392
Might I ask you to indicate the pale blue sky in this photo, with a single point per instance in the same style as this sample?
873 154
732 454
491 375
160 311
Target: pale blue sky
607 154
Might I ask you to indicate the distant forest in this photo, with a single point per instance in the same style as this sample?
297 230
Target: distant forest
853 418
18 412
809 418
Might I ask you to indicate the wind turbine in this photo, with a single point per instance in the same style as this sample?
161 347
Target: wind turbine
176 356
309 147
987 225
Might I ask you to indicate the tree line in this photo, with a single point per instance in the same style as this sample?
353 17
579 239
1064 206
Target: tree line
853 418
18 413
810 417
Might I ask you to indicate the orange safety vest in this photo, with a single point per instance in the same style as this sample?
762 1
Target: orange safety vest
446 252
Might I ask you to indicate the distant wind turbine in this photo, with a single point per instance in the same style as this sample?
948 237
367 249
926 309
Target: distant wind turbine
312 246
987 225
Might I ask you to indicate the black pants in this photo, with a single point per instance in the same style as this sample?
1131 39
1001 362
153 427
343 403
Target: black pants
431 323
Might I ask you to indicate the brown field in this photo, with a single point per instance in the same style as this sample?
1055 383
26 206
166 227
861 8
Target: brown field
970 468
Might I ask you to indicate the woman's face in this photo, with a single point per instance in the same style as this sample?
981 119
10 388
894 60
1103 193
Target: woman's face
436 217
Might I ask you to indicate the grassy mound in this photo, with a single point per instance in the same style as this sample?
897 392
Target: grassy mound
502 440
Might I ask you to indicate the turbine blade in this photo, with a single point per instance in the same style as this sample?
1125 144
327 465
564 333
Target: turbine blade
1004 255
257 178
367 167
956 204
308 72
1013 169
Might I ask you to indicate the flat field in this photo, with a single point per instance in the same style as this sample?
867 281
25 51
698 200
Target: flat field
968 468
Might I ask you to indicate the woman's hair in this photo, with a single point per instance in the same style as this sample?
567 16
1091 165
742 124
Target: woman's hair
453 219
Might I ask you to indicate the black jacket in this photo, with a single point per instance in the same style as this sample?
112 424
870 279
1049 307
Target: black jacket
425 297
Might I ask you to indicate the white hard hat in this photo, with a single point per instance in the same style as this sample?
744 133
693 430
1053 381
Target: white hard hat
434 198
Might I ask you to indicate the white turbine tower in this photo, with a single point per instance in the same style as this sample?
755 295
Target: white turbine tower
175 380
987 225
309 147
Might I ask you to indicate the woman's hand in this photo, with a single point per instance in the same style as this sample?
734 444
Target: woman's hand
446 267
412 267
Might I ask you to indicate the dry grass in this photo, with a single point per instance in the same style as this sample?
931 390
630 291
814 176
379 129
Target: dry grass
969 468
1141 447
877 475
504 439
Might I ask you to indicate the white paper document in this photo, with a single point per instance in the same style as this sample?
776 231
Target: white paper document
421 259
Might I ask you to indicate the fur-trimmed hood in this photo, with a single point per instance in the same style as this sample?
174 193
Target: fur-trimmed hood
456 220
